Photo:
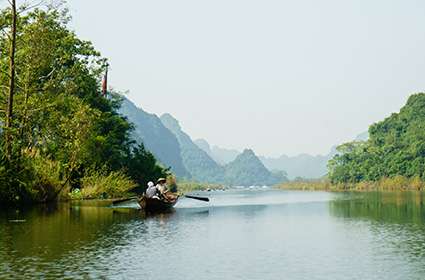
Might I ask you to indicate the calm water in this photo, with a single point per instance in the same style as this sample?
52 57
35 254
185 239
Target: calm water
242 234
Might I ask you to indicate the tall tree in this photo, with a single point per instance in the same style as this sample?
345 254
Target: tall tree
11 90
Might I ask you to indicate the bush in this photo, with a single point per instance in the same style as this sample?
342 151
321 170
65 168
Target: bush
98 184
30 178
49 179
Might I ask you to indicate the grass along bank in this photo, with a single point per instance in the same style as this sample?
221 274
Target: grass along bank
187 187
397 183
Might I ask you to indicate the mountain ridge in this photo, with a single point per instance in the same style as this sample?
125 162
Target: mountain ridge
199 164
248 170
149 129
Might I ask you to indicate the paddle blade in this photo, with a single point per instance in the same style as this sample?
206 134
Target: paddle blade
205 199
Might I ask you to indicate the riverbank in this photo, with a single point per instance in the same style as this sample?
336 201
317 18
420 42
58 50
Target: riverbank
398 183
113 189
186 187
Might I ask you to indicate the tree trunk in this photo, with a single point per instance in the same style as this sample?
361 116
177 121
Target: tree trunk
9 109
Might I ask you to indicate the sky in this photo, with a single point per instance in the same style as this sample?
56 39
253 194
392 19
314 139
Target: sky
277 76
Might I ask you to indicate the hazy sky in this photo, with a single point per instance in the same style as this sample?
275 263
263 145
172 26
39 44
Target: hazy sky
273 75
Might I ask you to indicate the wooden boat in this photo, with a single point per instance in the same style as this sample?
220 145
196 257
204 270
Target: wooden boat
158 205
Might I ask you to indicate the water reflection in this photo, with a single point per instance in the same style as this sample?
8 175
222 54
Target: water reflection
51 232
240 235
392 207
394 219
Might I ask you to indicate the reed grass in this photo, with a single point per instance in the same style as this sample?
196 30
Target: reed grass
397 183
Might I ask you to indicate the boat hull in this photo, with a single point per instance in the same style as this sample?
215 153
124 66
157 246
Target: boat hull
156 205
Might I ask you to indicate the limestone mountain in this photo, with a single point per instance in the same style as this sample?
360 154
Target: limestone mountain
224 155
304 165
248 170
204 145
199 164
156 137
221 155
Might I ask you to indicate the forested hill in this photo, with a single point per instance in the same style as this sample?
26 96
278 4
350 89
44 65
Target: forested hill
248 170
200 165
396 147
148 129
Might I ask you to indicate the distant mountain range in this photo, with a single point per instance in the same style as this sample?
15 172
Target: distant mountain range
300 166
198 160
304 165
165 138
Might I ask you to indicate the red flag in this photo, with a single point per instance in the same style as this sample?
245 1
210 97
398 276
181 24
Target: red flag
105 83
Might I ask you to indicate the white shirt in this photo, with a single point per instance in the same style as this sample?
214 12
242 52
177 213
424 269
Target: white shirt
161 188
151 191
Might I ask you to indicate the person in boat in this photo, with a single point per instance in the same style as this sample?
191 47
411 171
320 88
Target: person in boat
152 191
162 186
163 191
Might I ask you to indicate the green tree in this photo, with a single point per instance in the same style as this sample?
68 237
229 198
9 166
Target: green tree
62 126
396 147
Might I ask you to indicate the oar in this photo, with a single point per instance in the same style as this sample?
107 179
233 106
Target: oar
206 199
119 201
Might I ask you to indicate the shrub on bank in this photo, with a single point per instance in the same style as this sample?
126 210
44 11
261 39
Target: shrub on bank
31 178
48 179
98 184
397 183
186 187
307 185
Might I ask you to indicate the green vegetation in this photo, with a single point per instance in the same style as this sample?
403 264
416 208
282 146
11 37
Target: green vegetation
396 183
61 129
392 158
394 152
186 187
100 185
308 185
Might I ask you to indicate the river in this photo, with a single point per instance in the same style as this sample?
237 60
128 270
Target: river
240 234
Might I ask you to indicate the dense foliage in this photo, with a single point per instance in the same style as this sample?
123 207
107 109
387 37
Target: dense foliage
396 147
62 127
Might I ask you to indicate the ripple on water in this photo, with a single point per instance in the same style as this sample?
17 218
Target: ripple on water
243 235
